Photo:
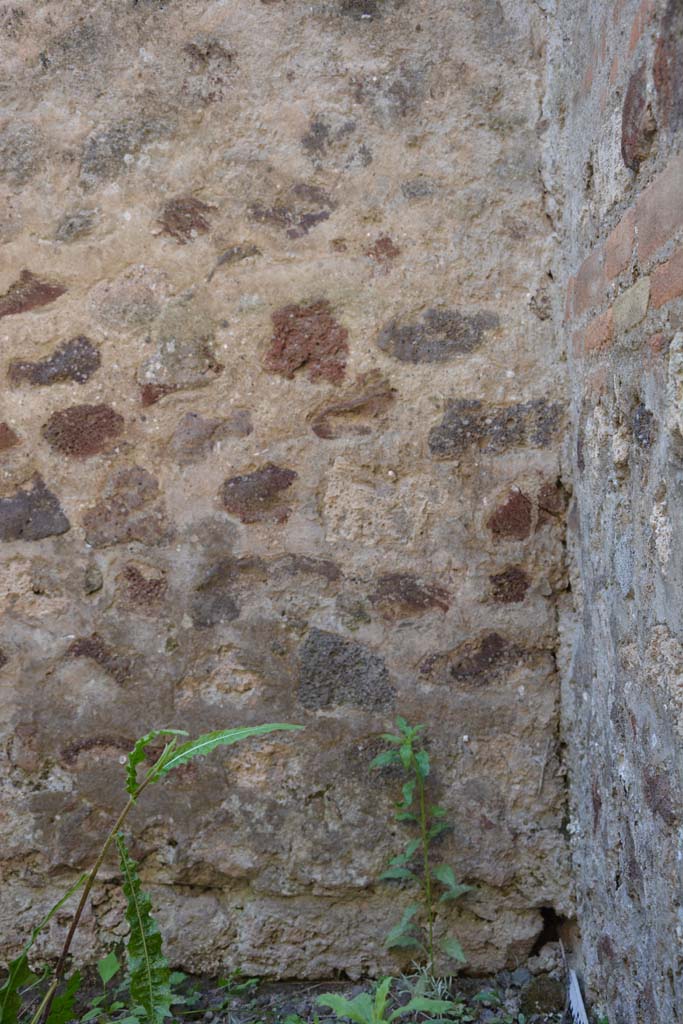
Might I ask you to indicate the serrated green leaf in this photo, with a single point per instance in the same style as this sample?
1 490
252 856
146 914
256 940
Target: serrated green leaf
210 740
422 761
439 829
137 756
391 737
62 1009
451 947
405 816
444 874
19 975
108 967
421 1004
437 812
396 874
401 724
148 969
455 893
358 1009
400 930
408 791
384 759
405 752
411 848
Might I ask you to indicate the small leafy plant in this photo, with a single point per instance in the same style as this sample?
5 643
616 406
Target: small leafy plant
416 929
149 981
375 1009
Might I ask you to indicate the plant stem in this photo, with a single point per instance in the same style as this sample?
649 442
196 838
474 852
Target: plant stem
45 1006
424 836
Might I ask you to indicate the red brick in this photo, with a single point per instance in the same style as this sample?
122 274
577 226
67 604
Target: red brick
619 245
589 288
667 280
659 213
599 333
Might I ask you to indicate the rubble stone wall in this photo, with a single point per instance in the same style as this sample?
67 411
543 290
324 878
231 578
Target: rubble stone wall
615 111
280 433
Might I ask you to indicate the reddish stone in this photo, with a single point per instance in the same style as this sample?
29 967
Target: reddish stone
128 512
599 333
513 519
619 245
255 497
667 281
383 250
151 393
97 650
8 439
638 125
184 218
308 336
659 212
82 430
398 595
28 292
143 587
475 662
509 586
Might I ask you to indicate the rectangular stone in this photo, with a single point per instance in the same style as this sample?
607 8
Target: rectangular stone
667 280
630 308
619 245
659 213
590 284
599 334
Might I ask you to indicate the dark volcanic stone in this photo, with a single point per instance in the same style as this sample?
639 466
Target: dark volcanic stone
32 515
184 218
75 360
334 670
128 512
470 424
8 438
402 594
513 519
437 336
510 586
543 994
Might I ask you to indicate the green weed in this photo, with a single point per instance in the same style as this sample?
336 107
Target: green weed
417 927
150 986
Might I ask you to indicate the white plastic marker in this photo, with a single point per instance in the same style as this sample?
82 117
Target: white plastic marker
576 1007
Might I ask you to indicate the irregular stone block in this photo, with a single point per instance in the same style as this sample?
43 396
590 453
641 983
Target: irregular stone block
184 218
305 206
356 410
128 512
82 430
509 586
513 519
195 437
401 595
75 224
134 299
668 67
308 336
631 306
75 360
8 437
470 424
105 151
474 663
255 497
143 585
638 125
32 514
235 254
439 335
94 647
336 671
27 293
215 600
184 356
